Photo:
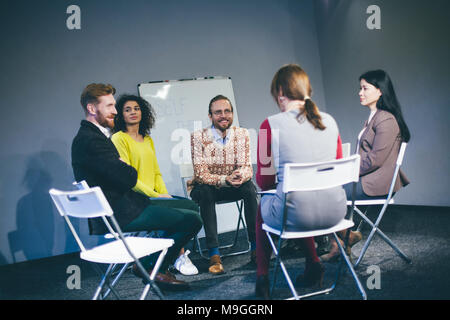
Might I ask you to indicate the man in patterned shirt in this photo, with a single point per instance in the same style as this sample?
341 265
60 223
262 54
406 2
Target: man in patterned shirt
222 171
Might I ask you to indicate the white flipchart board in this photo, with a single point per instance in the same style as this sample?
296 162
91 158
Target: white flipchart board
181 106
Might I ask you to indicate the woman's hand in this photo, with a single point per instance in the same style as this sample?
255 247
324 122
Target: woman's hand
164 196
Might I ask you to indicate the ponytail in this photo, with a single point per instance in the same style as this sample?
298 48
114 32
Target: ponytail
312 114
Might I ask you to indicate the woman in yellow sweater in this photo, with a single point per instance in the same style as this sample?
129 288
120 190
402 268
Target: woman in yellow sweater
135 117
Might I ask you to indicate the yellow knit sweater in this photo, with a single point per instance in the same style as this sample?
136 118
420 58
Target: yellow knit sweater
142 157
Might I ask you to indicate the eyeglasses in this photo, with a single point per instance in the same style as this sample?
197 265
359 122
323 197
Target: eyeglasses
227 112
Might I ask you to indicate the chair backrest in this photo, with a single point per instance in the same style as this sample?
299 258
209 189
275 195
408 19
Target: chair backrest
82 185
186 170
320 175
401 153
346 149
86 203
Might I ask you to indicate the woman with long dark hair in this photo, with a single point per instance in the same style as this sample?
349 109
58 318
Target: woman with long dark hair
299 133
378 143
134 120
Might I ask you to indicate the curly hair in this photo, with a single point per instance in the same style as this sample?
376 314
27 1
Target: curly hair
148 114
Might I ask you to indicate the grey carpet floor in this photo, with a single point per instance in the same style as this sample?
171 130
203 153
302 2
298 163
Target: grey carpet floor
421 232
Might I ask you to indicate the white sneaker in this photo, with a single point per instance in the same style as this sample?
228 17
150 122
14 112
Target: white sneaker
184 265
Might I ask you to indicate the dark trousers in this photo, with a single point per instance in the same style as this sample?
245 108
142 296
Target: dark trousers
359 192
180 221
206 196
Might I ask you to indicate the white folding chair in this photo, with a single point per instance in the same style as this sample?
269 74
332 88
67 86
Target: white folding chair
384 202
82 185
91 203
309 177
187 172
346 150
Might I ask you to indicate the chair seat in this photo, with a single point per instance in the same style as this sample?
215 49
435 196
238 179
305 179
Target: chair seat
267 192
342 225
369 202
115 251
227 201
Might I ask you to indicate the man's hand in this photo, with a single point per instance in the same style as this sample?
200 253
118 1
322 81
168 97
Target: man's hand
235 179
236 175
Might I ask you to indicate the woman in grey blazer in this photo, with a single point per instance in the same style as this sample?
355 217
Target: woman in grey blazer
378 143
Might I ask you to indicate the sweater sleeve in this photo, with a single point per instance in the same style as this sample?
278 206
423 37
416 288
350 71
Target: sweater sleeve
265 174
386 133
96 154
246 169
160 186
143 188
339 154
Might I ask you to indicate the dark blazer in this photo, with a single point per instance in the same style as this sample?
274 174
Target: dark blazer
96 160
379 147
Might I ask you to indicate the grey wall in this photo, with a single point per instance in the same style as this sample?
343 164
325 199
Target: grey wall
45 66
413 47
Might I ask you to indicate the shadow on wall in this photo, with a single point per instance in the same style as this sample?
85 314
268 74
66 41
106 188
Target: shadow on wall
2 259
38 222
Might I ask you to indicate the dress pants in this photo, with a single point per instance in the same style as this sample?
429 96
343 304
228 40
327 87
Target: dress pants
207 196
180 221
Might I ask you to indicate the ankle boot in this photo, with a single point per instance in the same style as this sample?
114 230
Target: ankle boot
334 252
354 237
262 287
312 277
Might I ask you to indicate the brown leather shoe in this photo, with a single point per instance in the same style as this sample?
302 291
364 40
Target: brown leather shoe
166 280
354 238
215 265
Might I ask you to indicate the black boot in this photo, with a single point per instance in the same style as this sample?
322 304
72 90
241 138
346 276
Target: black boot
312 277
262 287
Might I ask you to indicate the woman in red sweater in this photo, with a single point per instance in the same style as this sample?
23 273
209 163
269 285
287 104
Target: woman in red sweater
299 133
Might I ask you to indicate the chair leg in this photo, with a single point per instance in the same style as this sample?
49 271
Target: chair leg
387 240
350 266
150 279
104 280
375 230
283 268
199 247
239 207
234 243
288 279
240 219
393 246
146 290
116 279
277 251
